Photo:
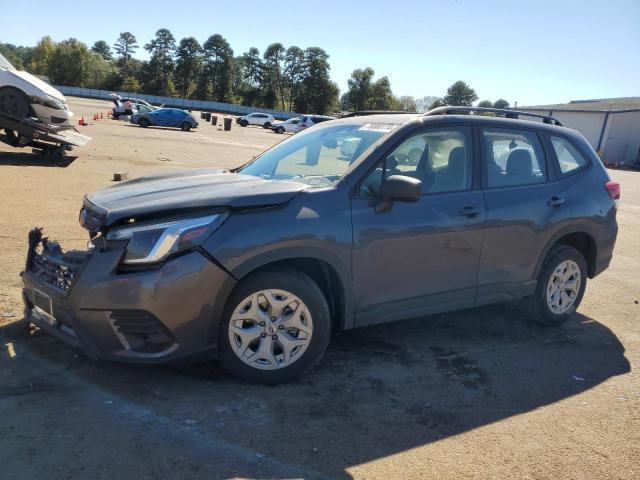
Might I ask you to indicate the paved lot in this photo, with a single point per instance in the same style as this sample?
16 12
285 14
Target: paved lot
479 393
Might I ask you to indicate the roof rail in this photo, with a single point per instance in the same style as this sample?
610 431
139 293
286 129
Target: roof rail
361 113
506 112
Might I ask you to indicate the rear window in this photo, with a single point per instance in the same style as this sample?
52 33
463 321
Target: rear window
569 158
514 157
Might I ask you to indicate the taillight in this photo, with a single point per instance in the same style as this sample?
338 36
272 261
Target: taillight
613 189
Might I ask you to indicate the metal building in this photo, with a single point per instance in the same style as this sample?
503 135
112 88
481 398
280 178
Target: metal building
611 125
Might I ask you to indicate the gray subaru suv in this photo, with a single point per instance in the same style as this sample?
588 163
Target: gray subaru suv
258 266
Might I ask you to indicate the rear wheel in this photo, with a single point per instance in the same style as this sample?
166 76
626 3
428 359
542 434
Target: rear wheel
143 122
561 284
14 102
276 327
185 126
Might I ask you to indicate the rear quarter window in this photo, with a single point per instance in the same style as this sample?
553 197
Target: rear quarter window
569 159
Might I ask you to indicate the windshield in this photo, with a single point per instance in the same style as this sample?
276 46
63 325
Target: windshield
316 157
4 63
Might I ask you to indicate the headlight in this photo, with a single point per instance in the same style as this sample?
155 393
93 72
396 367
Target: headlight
153 242
48 102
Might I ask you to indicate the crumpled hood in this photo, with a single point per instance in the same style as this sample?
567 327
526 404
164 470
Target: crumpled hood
39 84
173 192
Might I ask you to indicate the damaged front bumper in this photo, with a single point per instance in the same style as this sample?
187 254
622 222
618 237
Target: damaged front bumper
149 316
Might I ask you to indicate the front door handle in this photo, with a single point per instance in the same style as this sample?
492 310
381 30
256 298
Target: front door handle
556 201
470 211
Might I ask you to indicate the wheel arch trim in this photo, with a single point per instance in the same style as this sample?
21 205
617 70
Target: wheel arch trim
263 259
574 228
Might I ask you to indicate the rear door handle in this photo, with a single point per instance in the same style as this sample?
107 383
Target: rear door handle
556 201
470 211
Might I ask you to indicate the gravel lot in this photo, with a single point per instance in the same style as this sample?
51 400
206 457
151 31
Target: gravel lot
478 393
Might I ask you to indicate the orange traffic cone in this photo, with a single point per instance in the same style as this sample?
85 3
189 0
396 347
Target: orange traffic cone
81 121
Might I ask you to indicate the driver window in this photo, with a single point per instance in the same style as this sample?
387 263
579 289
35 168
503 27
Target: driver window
441 158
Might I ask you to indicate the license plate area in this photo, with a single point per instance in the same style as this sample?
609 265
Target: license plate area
43 307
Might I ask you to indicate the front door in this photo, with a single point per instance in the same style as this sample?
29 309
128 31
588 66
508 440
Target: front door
419 258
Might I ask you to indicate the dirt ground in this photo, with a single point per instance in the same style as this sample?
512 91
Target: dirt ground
473 394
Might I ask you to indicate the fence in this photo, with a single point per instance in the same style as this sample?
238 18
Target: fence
175 102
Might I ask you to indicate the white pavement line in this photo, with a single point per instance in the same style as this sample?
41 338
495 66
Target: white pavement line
230 142
197 439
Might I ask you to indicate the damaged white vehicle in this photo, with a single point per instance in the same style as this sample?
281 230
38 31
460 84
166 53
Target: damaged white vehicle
24 95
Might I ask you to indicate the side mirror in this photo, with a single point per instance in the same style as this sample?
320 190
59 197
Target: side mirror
399 188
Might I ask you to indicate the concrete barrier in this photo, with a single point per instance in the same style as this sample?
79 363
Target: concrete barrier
184 103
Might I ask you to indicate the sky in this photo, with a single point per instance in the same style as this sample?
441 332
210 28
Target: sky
531 52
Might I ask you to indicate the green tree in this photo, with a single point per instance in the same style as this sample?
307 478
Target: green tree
218 57
501 103
405 103
460 94
359 88
101 73
125 47
438 102
41 56
381 96
188 65
249 71
273 81
70 64
18 56
161 64
103 49
317 93
293 72
485 104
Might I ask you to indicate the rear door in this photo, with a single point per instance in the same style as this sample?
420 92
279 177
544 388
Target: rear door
525 206
419 258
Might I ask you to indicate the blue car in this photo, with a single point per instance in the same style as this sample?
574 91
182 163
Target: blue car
166 117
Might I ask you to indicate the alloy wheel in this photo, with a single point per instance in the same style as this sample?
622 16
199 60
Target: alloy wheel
270 329
563 287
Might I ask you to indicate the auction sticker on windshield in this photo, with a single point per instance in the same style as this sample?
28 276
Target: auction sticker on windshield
378 127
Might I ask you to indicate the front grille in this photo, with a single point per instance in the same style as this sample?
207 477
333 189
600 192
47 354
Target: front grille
49 264
141 331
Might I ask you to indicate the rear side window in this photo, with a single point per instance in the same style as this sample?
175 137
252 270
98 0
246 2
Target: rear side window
568 157
514 157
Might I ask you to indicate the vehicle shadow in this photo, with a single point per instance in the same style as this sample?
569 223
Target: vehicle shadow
28 159
378 391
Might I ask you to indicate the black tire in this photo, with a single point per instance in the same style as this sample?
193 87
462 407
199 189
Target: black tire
536 305
304 288
243 123
143 122
280 130
266 125
185 126
14 102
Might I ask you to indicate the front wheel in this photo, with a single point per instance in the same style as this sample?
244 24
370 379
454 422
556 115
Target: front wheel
266 125
143 122
243 123
275 327
185 126
280 130
14 102
561 284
